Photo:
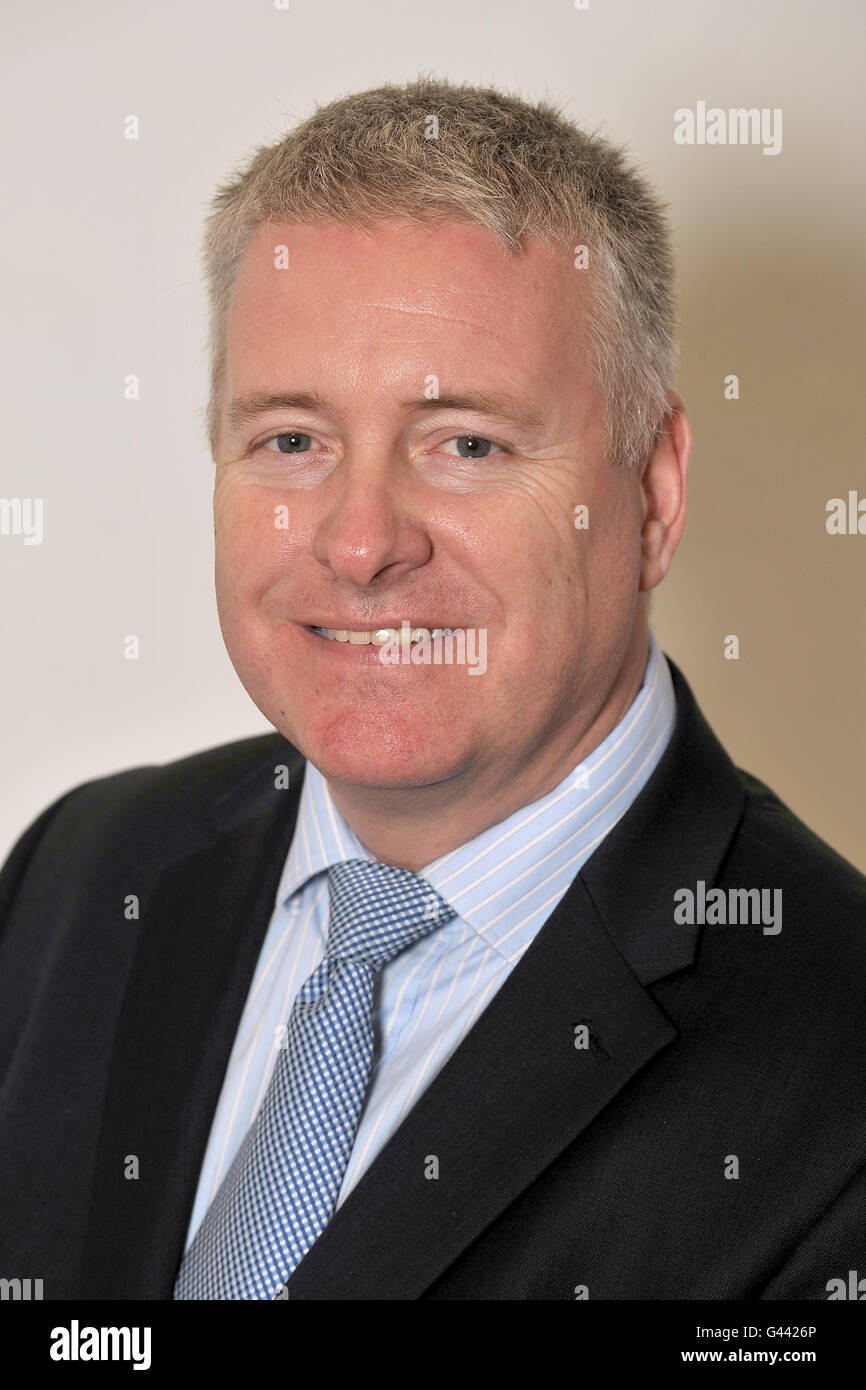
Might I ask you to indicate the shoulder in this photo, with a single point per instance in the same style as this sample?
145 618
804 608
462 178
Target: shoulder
702 798
772 839
161 809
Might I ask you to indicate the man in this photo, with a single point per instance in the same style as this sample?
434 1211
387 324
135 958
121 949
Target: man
487 975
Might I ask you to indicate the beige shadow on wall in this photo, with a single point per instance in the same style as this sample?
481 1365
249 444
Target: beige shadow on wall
779 304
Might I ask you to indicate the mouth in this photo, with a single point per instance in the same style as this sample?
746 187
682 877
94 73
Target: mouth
382 636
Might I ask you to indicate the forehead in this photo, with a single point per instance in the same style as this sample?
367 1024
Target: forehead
403 299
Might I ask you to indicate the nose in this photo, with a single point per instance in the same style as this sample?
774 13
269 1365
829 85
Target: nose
367 530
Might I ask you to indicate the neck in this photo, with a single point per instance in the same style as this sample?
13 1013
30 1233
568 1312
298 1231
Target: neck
409 827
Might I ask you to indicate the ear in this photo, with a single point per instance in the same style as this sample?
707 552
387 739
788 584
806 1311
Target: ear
663 494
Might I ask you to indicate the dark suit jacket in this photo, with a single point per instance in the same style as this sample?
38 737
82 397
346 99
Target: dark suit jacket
561 1169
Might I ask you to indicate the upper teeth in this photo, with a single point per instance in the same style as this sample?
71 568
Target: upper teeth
383 635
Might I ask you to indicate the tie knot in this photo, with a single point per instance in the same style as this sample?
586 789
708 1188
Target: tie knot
377 911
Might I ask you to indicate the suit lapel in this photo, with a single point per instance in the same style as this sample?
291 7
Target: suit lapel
518 1091
675 832
509 1100
201 932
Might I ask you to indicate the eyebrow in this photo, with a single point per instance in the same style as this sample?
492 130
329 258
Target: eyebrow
249 407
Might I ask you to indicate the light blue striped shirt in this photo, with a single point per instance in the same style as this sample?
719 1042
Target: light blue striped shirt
504 885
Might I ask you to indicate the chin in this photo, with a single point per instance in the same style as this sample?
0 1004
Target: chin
378 750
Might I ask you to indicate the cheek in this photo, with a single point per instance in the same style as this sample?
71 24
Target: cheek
615 553
546 571
571 589
250 544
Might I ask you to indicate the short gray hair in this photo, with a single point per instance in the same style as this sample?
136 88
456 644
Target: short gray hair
515 168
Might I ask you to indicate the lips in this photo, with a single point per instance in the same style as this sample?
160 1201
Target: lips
382 635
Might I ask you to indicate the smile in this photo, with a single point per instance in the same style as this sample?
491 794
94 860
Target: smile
383 636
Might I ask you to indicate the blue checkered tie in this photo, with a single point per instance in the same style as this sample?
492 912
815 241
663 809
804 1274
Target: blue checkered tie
281 1189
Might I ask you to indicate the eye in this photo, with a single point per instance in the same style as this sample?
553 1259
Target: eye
290 442
471 446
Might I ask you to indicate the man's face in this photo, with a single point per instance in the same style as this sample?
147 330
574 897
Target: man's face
453 426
